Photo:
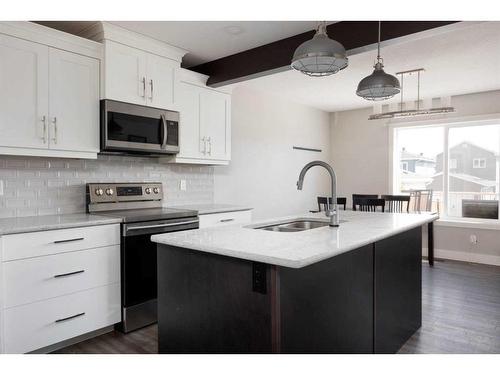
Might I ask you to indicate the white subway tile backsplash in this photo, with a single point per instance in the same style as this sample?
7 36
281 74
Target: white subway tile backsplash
44 186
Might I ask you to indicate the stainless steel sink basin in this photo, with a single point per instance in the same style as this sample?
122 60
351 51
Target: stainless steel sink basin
295 226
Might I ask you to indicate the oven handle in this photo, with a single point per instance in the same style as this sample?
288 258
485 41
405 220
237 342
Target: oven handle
164 121
163 225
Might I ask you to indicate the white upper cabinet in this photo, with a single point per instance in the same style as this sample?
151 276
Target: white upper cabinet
49 105
134 76
124 73
205 122
214 124
73 102
191 145
161 81
24 95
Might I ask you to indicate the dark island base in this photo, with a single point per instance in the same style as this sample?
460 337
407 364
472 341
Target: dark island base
364 301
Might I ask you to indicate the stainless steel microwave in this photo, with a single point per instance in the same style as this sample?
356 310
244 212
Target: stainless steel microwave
132 128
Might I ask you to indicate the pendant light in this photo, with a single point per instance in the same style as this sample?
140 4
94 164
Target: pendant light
379 85
320 56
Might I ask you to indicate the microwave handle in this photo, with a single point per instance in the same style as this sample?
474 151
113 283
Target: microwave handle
165 132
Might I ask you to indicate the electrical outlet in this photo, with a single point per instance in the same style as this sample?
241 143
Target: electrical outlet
473 239
183 185
1 187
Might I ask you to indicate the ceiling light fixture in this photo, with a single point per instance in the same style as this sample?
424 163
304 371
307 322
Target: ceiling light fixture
412 112
379 85
320 56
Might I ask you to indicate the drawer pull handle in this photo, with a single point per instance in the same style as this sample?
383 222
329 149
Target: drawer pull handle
69 274
69 317
70 240
226 220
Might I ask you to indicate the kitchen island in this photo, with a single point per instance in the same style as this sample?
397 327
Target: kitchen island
273 287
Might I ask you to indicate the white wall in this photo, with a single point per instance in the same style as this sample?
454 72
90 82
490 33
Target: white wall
360 155
264 167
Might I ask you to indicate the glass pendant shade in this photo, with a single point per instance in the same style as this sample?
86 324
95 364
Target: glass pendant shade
320 56
379 85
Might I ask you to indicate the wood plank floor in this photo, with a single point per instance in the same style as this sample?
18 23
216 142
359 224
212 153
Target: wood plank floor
460 314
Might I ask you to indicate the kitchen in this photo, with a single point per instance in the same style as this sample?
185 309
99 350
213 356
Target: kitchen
166 193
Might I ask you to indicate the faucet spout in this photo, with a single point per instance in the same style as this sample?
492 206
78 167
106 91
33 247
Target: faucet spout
331 209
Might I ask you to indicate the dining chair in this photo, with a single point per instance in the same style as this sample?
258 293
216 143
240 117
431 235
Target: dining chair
341 201
356 197
396 203
370 204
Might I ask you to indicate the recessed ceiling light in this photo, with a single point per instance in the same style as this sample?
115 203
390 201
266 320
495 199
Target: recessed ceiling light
234 29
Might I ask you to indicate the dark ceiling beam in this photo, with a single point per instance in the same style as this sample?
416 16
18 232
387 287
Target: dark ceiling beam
275 57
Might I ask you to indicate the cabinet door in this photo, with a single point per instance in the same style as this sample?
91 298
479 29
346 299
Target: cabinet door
160 82
125 73
214 123
191 145
24 93
73 101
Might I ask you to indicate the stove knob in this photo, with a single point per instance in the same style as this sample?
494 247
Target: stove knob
147 190
109 191
99 192
156 190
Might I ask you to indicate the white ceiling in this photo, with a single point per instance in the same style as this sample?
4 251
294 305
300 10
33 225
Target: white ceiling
462 61
210 40
206 40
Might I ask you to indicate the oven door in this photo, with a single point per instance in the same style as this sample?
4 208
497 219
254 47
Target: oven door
134 128
139 269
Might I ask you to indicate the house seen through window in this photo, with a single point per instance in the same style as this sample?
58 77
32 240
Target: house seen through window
465 178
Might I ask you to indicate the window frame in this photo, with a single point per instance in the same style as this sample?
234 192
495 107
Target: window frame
446 124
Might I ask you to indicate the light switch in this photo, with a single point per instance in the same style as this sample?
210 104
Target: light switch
183 185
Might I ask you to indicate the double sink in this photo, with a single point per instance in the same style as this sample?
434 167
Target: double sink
296 225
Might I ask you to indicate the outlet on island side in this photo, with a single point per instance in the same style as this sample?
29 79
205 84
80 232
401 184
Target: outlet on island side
183 185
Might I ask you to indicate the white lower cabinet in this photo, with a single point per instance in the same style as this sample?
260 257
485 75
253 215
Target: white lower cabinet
33 326
225 218
58 284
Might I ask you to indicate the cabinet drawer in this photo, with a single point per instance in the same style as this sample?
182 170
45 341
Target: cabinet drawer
36 325
225 218
28 245
39 278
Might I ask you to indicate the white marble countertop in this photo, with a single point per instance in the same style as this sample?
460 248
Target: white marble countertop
50 222
295 249
212 208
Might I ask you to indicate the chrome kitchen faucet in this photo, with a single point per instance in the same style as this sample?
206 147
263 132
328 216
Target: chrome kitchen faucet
331 209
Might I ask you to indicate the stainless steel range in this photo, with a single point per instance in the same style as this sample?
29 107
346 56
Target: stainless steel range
140 207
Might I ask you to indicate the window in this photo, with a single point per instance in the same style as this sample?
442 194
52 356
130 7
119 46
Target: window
464 177
453 164
479 163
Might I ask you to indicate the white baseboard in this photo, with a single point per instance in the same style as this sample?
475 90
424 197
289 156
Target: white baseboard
465 257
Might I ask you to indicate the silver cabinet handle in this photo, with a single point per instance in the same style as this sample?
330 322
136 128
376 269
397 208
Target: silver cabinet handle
162 225
204 140
68 274
54 121
70 240
209 140
226 220
165 131
69 317
152 89
143 87
44 122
